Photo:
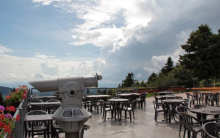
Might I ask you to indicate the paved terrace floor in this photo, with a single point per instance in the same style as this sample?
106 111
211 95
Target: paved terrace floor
143 126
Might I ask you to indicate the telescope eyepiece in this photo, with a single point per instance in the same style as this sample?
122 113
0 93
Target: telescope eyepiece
72 92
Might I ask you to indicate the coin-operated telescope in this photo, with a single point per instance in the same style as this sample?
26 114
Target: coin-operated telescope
70 114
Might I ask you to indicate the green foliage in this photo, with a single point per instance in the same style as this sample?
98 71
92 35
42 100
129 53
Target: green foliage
129 80
203 53
168 66
142 84
152 78
112 92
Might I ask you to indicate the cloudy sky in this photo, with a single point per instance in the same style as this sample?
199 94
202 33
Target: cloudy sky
48 39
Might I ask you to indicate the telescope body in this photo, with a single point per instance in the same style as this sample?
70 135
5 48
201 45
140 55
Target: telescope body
70 114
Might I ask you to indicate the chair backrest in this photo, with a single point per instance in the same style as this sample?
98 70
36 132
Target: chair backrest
211 129
53 100
115 98
186 101
198 106
187 120
181 109
215 96
37 112
97 94
81 132
35 101
143 95
133 104
155 94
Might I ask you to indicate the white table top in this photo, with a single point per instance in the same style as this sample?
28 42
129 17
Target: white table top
129 94
38 117
118 100
45 103
97 96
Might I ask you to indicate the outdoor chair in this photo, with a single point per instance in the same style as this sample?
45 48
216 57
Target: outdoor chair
192 100
141 100
39 127
130 108
198 106
214 98
190 126
53 108
35 107
94 103
97 94
211 129
117 94
107 107
181 109
196 96
186 102
158 110
158 101
81 132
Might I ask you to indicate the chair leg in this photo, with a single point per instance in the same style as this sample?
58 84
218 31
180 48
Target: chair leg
194 135
180 130
130 116
133 115
155 117
189 134
184 133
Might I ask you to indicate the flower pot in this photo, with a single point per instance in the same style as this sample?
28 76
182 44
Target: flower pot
15 104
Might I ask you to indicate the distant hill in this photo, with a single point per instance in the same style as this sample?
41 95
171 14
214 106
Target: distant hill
5 90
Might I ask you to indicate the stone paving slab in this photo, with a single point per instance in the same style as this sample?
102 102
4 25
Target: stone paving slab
143 126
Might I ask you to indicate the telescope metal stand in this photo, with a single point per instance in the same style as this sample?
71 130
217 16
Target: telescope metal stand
71 134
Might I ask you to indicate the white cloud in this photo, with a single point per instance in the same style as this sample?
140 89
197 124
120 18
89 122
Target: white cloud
4 49
48 2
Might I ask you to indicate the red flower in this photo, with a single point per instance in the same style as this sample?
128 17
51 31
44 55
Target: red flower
18 118
7 97
25 91
17 90
1 124
23 86
2 117
6 129
10 108
24 96
19 85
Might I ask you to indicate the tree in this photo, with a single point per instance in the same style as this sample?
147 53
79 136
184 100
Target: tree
129 80
202 56
152 78
168 66
142 84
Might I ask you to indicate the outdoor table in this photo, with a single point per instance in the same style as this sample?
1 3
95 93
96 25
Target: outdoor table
46 104
32 118
116 105
46 97
165 93
203 112
98 96
129 94
173 103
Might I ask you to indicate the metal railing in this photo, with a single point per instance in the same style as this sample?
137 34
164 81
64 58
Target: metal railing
18 131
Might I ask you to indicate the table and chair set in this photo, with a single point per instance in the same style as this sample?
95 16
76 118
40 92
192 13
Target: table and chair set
202 117
124 102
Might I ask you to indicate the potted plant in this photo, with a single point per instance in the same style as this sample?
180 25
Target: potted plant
15 97
7 121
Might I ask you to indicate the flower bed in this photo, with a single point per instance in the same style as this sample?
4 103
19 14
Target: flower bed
6 120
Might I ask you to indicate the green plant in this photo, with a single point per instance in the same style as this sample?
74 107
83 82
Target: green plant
16 95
